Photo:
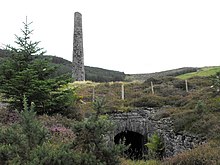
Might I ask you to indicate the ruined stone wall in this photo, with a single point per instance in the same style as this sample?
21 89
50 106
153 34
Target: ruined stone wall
146 122
78 56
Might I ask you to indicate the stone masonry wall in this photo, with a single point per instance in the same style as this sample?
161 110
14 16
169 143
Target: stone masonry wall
146 122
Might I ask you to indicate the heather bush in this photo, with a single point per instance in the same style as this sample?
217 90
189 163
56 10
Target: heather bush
200 82
207 154
213 104
205 124
184 120
148 101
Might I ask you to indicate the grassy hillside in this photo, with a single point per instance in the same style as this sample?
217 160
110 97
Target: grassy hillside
206 71
173 72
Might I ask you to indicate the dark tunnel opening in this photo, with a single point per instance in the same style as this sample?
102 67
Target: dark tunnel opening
136 142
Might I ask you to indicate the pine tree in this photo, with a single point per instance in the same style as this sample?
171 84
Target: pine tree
155 147
26 72
18 141
93 139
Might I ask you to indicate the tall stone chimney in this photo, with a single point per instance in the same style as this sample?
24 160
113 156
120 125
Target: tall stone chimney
78 56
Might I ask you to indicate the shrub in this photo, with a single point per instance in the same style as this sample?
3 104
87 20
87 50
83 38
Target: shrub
148 101
17 141
213 104
54 154
205 124
202 155
155 147
200 82
29 142
93 140
184 121
200 107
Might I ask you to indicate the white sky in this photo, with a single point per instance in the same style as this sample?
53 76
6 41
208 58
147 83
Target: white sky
133 36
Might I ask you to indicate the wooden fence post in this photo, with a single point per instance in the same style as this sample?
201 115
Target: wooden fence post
122 91
93 94
152 87
187 90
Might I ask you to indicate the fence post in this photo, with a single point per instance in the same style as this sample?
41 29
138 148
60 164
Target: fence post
152 87
187 90
93 94
122 91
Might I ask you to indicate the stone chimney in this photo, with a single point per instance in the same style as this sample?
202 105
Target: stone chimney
78 56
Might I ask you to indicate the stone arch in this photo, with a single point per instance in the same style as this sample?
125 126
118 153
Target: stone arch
132 128
146 122
131 121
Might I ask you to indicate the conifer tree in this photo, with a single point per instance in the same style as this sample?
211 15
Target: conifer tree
18 141
93 139
155 147
27 72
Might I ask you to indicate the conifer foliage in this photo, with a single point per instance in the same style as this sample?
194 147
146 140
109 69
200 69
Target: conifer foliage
155 147
18 141
93 139
26 72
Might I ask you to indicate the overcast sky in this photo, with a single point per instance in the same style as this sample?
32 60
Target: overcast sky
133 36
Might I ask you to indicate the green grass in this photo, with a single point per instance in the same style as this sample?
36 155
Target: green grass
203 72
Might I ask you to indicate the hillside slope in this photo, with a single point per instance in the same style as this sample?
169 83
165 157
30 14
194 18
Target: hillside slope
205 71
92 73
173 72
103 75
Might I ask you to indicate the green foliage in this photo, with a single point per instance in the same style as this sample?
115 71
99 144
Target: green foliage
54 154
93 140
98 106
206 71
61 101
18 141
27 72
216 82
155 147
213 104
64 67
200 107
